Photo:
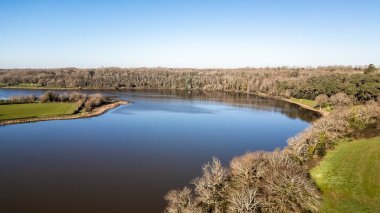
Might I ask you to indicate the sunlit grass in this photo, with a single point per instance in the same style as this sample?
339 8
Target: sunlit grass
35 110
307 102
349 177
310 103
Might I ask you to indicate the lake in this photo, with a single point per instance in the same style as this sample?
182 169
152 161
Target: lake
128 158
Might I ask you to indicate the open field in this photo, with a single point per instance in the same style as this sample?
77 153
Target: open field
349 177
35 110
309 103
16 113
306 102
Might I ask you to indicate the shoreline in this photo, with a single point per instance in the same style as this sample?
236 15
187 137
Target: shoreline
95 112
320 111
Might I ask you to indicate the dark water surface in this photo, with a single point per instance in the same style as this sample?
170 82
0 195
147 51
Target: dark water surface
127 159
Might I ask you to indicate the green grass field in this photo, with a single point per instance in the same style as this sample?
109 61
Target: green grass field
307 102
310 103
349 177
35 110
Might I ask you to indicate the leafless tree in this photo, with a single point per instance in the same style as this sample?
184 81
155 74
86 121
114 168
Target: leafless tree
244 201
210 188
181 201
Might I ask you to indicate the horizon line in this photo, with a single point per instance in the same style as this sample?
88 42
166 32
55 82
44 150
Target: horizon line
198 68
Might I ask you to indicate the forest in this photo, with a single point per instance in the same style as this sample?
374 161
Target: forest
360 84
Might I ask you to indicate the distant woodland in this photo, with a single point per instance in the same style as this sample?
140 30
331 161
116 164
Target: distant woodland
357 83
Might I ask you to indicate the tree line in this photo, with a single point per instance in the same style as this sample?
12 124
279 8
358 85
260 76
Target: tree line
359 83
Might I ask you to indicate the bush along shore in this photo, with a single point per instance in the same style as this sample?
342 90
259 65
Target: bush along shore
276 181
23 109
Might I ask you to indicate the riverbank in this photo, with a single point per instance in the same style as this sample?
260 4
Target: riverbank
95 112
321 111
293 189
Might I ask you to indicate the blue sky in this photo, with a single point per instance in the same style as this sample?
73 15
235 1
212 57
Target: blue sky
188 33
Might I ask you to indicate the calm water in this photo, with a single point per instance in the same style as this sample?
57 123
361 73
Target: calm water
127 159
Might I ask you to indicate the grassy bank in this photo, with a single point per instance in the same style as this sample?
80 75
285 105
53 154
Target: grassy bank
349 177
35 110
311 104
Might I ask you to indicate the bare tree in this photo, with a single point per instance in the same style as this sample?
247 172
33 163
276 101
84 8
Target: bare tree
181 201
244 201
210 188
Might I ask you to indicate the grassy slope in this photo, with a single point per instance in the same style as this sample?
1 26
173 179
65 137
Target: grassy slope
349 177
35 110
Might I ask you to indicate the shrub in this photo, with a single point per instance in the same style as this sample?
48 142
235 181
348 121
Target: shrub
49 97
370 69
22 99
93 101
63 97
76 96
341 99
322 100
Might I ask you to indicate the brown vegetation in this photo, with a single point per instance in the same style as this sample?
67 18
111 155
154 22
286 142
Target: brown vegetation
18 99
93 101
341 99
273 181
282 81
255 182
322 100
327 131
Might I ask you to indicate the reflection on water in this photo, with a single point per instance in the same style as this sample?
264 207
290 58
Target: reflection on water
128 158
